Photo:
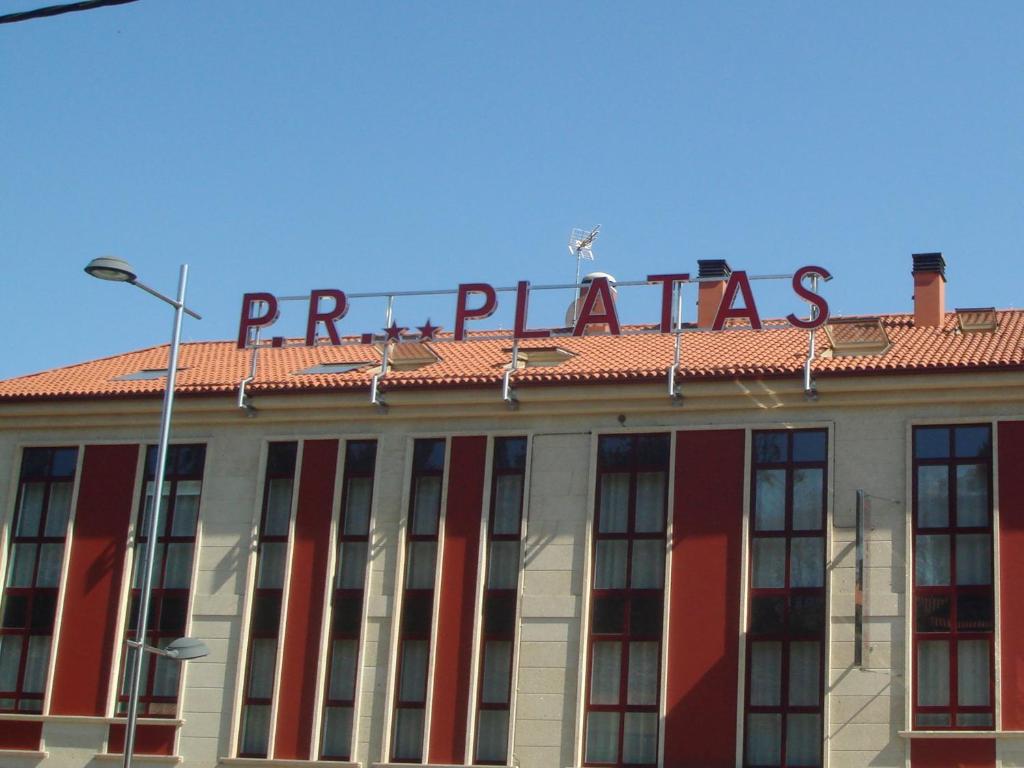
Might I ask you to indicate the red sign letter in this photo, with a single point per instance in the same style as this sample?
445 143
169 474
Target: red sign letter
248 321
667 284
464 313
809 296
522 302
598 289
316 317
737 281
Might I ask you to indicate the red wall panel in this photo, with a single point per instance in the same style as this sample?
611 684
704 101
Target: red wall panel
454 652
952 753
303 622
15 734
703 630
149 739
1011 572
85 648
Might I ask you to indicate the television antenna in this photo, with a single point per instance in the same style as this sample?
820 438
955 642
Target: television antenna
581 246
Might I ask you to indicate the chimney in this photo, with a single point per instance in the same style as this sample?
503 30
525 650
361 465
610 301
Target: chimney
929 290
713 275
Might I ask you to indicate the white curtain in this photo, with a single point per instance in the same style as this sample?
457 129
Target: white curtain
262 660
972 673
807 499
804 674
642 675
764 739
413 687
352 565
508 501
270 565
803 740
503 565
255 729
807 562
427 505
337 732
933 673
605 672
31 510
650 502
420 568
770 499
186 508
765 674
279 507
974 558
492 735
648 568
602 737
50 557
357 506
932 496
343 669
972 495
178 569
610 565
36 664
931 560
10 658
494 688
59 509
23 564
408 736
640 737
614 510
769 562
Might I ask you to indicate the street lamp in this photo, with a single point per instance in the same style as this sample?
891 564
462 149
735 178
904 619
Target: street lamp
118 270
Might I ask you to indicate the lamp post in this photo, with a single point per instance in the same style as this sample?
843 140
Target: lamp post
118 270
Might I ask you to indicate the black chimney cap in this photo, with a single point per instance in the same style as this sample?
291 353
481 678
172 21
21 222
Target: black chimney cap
713 268
929 262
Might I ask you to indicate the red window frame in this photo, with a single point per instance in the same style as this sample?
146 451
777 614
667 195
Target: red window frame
627 614
28 610
773 615
929 623
416 624
265 615
169 606
347 599
500 602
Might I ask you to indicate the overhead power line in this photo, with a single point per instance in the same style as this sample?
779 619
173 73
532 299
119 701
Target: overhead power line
57 10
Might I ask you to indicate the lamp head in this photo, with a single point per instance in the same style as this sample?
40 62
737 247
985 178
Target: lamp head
185 648
111 268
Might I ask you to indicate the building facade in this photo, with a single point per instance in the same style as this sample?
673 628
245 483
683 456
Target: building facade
740 573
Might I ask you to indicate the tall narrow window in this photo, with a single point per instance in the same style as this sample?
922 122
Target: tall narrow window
954 619
626 601
418 600
347 599
786 623
504 546
172 575
35 559
264 624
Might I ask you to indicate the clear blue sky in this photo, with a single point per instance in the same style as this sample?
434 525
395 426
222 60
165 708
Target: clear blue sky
397 146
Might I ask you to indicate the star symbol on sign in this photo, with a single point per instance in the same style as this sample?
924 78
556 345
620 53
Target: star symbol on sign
427 331
395 331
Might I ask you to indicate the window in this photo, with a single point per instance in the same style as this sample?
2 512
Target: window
786 617
172 575
497 641
954 620
264 623
347 599
626 601
34 563
417 600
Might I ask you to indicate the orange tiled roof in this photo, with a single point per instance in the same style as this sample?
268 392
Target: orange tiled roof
217 367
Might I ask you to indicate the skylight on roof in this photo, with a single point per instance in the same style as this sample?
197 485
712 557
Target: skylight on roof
857 336
332 368
540 357
146 374
975 319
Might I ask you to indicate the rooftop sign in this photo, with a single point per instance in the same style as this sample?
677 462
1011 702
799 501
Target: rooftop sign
478 301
